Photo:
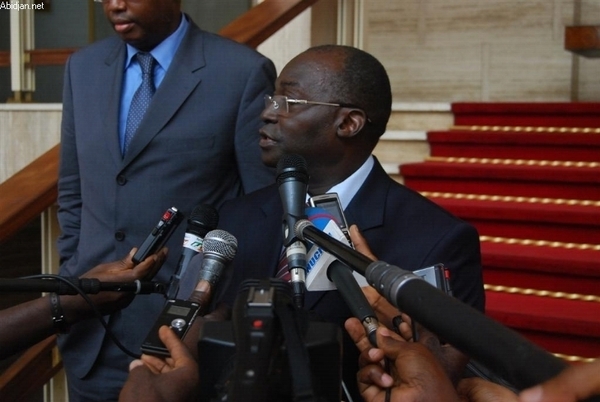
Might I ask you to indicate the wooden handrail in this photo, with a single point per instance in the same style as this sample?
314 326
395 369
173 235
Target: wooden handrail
30 371
48 57
262 21
4 59
583 40
28 193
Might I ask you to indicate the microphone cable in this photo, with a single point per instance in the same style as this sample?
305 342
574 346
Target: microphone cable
95 310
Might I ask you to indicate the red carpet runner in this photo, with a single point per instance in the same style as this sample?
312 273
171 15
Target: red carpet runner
528 177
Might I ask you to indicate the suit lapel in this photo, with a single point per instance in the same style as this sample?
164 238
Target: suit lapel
273 214
114 66
183 76
367 208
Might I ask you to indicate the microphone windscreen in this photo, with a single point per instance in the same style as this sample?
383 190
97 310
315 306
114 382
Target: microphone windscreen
203 219
221 244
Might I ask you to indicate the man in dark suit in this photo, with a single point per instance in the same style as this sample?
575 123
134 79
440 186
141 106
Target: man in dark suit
331 105
197 143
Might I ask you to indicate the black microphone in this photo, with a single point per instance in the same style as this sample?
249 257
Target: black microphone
341 275
292 181
203 219
307 231
219 249
520 362
69 285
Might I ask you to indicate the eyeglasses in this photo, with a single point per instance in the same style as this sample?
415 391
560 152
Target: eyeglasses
281 104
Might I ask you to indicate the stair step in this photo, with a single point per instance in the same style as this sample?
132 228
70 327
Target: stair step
571 221
544 114
516 144
570 327
580 181
551 266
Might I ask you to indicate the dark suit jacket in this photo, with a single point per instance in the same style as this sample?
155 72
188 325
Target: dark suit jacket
402 228
198 143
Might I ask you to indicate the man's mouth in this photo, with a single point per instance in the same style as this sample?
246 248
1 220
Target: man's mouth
122 26
266 140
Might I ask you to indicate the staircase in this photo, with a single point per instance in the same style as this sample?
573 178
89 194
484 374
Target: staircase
527 176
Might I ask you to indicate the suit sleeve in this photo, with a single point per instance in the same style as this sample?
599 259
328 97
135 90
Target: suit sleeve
253 172
69 191
459 251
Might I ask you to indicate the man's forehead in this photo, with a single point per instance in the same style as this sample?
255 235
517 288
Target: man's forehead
303 72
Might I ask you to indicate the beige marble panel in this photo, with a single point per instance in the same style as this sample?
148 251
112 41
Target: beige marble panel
398 152
589 78
420 121
26 132
472 50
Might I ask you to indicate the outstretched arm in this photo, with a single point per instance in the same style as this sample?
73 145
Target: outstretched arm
28 323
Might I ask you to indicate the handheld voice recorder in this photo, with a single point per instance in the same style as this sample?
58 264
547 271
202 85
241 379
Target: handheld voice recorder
159 234
178 315
436 275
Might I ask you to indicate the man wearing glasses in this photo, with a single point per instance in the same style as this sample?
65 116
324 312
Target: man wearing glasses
331 106
162 114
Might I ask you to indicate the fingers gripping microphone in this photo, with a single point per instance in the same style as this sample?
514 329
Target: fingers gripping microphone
219 249
292 181
203 219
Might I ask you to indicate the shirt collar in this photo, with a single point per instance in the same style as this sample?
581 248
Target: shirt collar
164 52
347 189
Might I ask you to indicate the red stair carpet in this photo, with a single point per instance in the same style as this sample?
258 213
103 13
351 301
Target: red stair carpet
527 175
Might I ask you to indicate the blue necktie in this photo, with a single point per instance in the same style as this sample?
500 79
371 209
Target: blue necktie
141 98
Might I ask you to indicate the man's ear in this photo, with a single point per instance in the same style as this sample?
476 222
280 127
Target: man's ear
351 122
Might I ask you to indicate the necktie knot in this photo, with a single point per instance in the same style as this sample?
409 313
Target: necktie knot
146 62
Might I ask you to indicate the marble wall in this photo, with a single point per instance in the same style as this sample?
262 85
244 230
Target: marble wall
472 50
26 132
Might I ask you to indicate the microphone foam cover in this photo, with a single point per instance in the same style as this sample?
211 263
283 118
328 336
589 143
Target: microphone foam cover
292 166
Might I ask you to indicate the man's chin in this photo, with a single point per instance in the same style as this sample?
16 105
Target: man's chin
270 157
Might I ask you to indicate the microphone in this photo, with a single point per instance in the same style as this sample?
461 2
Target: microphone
219 249
307 231
341 274
325 272
517 360
292 181
203 219
68 285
